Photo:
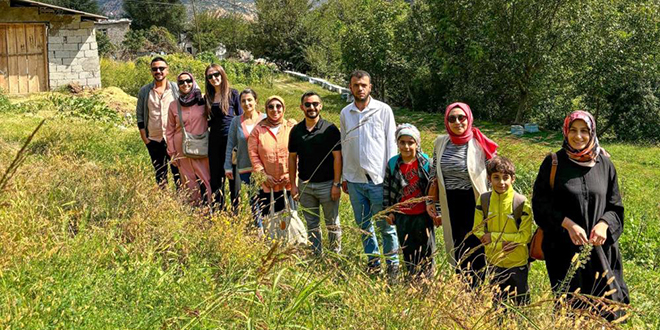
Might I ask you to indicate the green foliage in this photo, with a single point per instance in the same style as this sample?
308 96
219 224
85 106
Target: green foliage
90 242
512 61
170 14
231 30
156 39
279 33
131 76
105 47
91 108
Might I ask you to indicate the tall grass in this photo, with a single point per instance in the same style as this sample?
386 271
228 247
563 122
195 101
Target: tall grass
87 240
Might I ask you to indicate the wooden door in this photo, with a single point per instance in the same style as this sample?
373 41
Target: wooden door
23 58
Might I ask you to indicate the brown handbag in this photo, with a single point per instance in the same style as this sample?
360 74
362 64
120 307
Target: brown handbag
535 250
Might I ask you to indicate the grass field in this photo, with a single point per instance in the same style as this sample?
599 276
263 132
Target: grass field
87 240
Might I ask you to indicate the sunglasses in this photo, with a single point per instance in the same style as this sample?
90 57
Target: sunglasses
275 106
310 104
185 81
456 119
158 68
213 75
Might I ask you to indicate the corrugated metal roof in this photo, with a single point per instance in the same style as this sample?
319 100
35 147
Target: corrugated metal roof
30 3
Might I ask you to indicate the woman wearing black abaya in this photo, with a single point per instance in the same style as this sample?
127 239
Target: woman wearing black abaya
583 208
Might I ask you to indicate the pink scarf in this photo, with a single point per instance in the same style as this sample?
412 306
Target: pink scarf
586 156
489 147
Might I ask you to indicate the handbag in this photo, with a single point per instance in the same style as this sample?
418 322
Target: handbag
193 145
535 246
285 225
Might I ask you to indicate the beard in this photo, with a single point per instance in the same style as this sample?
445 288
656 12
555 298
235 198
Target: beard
311 114
159 78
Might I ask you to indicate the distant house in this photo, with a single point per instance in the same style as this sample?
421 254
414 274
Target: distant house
115 29
43 46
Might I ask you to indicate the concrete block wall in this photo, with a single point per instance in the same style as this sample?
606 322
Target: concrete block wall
73 54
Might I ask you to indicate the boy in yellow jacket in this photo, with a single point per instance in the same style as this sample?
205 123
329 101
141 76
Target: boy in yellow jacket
503 223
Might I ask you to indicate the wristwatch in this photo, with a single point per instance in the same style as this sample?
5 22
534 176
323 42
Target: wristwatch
337 184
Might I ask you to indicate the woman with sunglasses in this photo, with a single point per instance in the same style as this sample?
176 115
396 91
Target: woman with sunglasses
239 131
193 113
223 105
268 146
458 179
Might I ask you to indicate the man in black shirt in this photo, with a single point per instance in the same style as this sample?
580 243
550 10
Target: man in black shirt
315 155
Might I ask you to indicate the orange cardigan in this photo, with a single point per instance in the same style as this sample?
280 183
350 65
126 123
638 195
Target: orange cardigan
270 152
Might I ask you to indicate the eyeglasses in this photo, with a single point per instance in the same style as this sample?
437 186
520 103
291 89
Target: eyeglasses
312 104
158 68
213 75
275 106
456 119
185 81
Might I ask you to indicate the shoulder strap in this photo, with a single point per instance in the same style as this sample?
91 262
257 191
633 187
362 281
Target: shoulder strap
553 171
178 109
518 205
485 203
392 163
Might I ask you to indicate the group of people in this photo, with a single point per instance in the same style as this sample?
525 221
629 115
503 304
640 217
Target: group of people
393 185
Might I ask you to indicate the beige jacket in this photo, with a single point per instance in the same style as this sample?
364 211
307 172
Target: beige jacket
476 162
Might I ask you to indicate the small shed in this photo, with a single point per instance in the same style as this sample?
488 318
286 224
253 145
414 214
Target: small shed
43 46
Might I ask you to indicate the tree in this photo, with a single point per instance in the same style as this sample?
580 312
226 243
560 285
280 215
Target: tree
170 14
231 30
155 39
279 32
89 6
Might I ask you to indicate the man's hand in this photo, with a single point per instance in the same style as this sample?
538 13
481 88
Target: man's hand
335 193
344 187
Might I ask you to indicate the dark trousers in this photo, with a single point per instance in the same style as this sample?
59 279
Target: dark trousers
160 159
470 257
513 284
417 239
217 149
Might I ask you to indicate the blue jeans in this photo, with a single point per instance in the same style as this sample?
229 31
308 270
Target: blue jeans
367 200
253 196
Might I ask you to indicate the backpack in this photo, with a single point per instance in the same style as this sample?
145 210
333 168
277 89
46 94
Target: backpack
518 204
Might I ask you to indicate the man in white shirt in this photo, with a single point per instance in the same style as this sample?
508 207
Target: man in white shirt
368 142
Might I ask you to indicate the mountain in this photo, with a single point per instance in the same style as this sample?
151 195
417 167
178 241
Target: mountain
113 8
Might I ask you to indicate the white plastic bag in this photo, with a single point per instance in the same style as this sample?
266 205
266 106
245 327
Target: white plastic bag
285 225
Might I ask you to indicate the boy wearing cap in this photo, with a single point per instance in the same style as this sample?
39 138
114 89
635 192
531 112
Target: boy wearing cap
405 184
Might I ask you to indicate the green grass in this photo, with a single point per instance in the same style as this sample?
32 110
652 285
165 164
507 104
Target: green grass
88 242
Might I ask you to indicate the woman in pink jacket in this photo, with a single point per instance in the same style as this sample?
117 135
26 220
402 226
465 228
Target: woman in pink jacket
194 171
268 146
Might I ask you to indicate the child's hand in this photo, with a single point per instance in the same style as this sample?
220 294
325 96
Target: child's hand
390 219
486 239
508 246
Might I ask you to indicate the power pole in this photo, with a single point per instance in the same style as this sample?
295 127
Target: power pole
199 43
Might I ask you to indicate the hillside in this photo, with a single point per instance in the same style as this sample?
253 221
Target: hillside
87 240
113 8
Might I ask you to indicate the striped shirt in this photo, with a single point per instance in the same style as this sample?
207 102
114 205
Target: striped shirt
454 167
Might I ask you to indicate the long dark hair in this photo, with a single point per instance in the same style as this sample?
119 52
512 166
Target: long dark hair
210 90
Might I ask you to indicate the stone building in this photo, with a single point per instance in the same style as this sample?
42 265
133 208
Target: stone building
115 29
43 46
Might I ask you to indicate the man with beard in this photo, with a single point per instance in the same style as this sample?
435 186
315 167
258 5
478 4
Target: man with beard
151 112
368 142
315 155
